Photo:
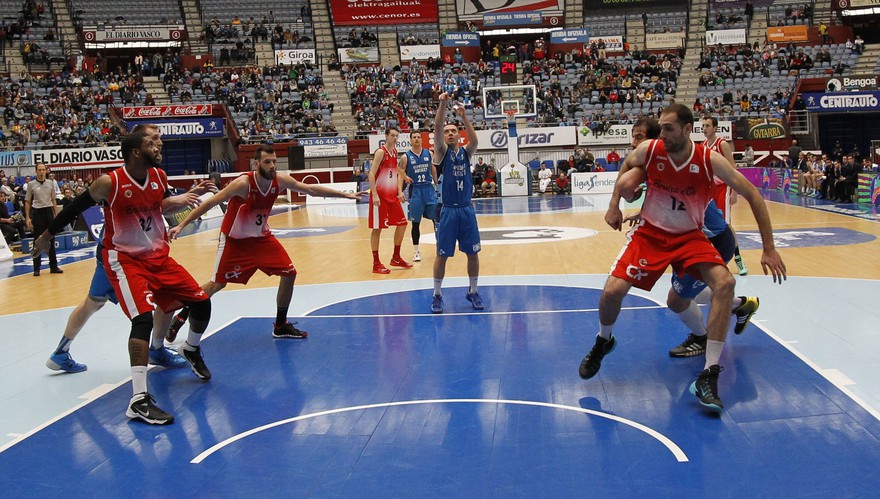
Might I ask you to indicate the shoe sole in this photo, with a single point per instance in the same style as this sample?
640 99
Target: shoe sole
744 272
689 353
712 407
289 336
136 416
381 271
56 367
401 265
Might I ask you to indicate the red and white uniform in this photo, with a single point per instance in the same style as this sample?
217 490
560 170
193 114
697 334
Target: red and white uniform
136 247
672 216
246 242
390 211
722 190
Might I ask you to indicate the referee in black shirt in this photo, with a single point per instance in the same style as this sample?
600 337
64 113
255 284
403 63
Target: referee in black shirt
39 210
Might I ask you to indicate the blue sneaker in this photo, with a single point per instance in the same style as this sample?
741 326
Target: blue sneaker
64 362
167 357
437 305
475 300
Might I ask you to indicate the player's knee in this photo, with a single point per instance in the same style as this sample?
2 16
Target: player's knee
200 310
724 285
141 327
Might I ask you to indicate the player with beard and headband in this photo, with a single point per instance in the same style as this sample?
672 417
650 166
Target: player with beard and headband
137 261
680 184
246 242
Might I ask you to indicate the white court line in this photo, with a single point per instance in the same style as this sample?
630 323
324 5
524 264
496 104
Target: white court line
88 397
679 454
476 312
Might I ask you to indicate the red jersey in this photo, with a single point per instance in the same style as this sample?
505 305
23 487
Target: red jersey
677 195
249 216
716 146
133 222
386 176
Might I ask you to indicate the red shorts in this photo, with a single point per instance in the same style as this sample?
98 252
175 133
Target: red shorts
142 285
649 251
387 214
722 200
239 259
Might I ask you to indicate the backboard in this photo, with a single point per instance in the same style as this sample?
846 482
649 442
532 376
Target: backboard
497 100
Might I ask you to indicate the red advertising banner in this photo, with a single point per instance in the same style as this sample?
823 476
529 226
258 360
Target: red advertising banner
147 112
367 12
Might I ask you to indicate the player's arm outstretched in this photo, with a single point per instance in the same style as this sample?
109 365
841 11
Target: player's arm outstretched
471 148
238 187
189 199
439 123
285 181
770 259
378 156
635 159
98 192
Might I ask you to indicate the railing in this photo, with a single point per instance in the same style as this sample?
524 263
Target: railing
799 122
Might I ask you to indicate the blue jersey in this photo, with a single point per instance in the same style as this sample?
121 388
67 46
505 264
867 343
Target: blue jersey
713 222
418 167
458 185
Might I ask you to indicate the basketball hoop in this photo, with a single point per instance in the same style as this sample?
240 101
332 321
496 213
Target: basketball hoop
510 108
511 114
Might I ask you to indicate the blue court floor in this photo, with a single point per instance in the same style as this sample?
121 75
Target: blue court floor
385 399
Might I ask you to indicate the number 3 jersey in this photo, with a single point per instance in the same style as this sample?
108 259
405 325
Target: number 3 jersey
249 216
677 195
133 216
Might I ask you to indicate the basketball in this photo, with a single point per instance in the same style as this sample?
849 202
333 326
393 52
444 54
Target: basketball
630 184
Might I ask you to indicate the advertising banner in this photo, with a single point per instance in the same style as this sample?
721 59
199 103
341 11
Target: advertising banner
573 35
839 102
593 5
295 56
153 112
514 180
469 10
461 39
616 135
359 54
760 128
196 128
593 183
12 159
529 138
418 52
350 187
657 41
852 83
612 43
97 157
725 131
796 33
324 147
371 12
107 34
725 36
532 18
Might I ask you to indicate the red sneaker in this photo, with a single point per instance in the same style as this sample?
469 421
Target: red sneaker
399 262
378 268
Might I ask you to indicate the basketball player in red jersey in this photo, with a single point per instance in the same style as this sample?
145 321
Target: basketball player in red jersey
136 258
386 196
724 197
680 184
246 242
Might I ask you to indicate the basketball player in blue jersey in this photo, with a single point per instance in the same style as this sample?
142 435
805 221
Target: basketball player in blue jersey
458 221
416 165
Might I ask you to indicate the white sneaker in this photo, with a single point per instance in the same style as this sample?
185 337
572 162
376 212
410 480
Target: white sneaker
417 257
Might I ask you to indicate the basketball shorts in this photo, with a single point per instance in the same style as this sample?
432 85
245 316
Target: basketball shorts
422 203
458 224
142 285
238 259
722 197
688 286
650 250
389 213
101 289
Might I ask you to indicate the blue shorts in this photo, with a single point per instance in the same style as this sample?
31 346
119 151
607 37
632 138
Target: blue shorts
458 224
689 286
422 203
101 289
